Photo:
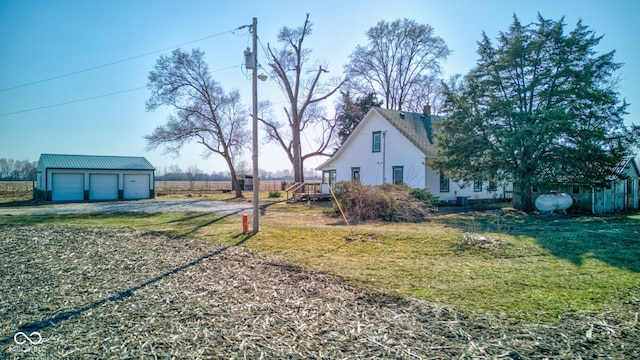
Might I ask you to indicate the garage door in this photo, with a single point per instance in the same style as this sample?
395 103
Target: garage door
103 187
136 186
67 187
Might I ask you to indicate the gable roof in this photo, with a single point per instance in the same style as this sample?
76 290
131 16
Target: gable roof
622 165
416 127
93 162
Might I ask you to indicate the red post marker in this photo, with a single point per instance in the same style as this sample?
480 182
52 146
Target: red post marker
245 224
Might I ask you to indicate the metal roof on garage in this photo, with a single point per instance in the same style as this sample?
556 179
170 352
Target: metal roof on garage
94 162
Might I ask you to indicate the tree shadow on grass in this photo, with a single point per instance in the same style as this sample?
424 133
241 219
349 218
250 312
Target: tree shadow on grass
203 224
614 239
52 321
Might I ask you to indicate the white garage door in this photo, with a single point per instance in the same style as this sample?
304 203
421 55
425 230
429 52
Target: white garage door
67 187
136 186
103 187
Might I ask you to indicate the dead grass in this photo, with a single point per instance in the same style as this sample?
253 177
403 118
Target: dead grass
15 191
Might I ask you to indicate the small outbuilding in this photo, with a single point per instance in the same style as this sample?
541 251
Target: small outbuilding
93 178
621 192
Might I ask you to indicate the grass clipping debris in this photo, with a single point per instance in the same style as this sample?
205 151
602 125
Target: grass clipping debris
124 293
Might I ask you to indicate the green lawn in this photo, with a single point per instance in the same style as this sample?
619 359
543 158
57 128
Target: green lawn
536 269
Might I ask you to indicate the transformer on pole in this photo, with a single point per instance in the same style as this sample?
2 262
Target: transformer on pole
251 62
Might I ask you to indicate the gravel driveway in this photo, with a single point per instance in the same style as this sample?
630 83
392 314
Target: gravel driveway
137 206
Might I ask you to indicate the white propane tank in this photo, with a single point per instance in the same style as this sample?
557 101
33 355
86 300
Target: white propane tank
554 201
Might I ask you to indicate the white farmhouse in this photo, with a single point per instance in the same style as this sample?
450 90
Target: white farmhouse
390 146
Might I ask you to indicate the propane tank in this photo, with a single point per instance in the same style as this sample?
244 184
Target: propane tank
553 201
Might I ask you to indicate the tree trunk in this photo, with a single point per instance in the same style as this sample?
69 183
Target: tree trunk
527 203
522 197
235 184
298 173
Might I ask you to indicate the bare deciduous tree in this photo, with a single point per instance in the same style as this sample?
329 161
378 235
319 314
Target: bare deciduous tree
304 92
401 64
203 112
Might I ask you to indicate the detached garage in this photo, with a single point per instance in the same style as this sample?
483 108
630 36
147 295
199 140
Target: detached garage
94 178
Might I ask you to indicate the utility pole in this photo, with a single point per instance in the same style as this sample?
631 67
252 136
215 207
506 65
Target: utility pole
254 79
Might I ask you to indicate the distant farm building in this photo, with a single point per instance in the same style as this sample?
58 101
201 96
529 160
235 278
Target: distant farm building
93 178
621 192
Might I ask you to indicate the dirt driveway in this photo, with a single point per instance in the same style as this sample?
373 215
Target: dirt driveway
136 206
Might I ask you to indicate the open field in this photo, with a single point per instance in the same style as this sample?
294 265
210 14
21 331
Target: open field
571 285
206 186
11 191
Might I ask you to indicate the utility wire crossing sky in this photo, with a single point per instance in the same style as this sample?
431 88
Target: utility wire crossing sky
73 73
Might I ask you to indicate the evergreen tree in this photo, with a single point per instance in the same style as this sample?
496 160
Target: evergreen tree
540 107
350 113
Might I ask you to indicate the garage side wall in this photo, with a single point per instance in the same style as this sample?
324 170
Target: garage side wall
91 180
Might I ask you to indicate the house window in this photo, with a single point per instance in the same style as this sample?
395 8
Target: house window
355 174
477 185
376 141
398 175
444 183
575 189
329 177
493 186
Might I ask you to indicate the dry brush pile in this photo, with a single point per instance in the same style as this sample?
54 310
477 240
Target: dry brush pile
124 293
384 202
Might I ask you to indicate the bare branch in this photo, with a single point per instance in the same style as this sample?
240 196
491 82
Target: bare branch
203 112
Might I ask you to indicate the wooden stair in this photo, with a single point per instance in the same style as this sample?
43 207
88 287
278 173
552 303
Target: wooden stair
301 191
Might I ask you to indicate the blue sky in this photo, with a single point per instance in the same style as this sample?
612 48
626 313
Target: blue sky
43 39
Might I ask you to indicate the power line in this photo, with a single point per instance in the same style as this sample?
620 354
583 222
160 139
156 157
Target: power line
115 62
73 101
95 97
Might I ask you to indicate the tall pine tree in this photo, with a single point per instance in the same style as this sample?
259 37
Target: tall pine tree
540 107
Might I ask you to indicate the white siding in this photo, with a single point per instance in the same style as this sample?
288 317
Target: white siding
376 167
457 189
396 150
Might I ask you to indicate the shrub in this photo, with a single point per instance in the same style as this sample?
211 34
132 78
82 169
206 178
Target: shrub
383 202
274 194
425 196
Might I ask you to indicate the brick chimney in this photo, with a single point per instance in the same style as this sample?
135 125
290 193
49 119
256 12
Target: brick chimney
427 110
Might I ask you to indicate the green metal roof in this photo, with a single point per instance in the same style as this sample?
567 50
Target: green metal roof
93 162
414 126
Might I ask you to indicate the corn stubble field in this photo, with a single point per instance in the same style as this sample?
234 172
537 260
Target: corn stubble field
492 284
